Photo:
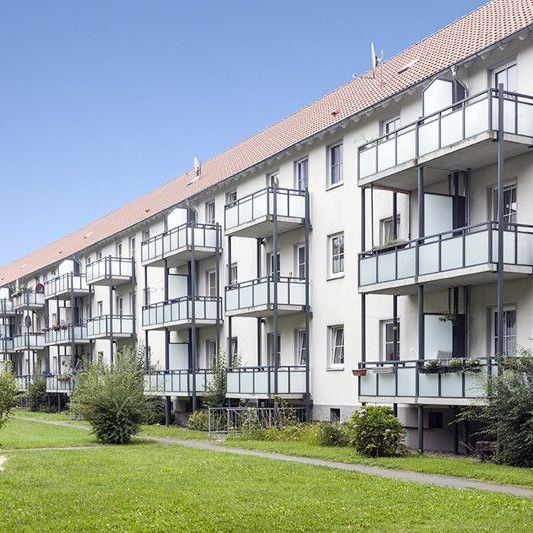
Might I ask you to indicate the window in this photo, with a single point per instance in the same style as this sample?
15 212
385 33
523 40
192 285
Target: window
509 331
336 346
99 254
336 251
87 260
271 361
231 197
391 125
211 283
119 307
299 260
506 75
270 264
210 212
509 204
233 280
118 249
335 164
234 352
132 247
302 174
435 420
388 351
334 414
300 347
100 308
211 353
146 235
388 229
273 179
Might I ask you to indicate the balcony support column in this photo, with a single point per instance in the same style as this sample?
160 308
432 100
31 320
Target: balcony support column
133 303
194 343
421 334
420 429
501 177
168 400
421 214
259 243
455 428
307 317
146 338
275 268
363 295
70 328
111 336
217 293
229 318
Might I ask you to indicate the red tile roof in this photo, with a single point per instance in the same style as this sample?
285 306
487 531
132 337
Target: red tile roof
458 41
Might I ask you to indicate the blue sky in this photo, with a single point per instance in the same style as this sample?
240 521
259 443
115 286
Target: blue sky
105 100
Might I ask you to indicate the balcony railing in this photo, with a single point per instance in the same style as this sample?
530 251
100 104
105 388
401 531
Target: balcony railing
28 300
181 310
6 307
205 236
415 379
28 341
22 382
59 383
106 325
260 204
66 334
65 285
460 248
260 292
6 345
460 121
260 380
176 381
109 269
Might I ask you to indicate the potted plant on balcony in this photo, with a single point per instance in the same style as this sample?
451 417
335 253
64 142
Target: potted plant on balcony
359 371
63 378
56 327
448 317
456 364
472 365
390 245
430 366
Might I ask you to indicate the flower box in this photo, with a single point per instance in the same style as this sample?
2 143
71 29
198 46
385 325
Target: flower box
359 371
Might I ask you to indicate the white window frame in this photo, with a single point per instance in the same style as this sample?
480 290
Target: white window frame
493 329
145 235
331 258
231 197
505 67
300 247
331 167
233 359
297 167
132 243
210 212
99 255
395 122
270 347
208 278
100 308
383 229
383 334
118 249
494 203
299 347
270 264
334 347
210 357
234 275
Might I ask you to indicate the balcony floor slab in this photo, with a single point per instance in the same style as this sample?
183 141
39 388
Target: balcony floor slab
261 311
104 281
262 227
181 256
406 400
181 325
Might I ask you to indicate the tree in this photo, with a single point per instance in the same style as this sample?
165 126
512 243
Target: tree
37 398
112 399
8 392
215 393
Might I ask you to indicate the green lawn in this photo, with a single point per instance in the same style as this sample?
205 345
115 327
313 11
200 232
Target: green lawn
428 463
155 487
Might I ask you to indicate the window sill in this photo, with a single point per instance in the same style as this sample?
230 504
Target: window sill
335 276
335 369
335 186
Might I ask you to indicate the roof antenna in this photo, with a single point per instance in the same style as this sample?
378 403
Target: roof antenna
376 61
197 166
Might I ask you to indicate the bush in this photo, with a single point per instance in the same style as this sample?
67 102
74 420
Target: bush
215 392
199 420
113 400
330 434
37 397
156 410
8 392
375 432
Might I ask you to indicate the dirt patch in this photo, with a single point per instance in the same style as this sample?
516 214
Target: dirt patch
3 459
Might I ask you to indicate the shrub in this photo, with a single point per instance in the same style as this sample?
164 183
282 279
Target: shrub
215 392
155 410
199 420
375 431
37 397
8 392
113 400
330 434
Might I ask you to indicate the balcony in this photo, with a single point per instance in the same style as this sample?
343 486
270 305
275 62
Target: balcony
439 383
28 300
176 382
28 341
259 381
177 314
253 215
458 137
59 383
255 298
68 334
107 326
176 244
22 383
66 285
464 256
110 271
6 345
6 308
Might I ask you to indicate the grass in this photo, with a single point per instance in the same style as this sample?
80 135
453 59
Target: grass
154 487
428 463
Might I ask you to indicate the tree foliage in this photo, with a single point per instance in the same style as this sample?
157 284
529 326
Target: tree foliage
112 399
215 393
8 392
37 397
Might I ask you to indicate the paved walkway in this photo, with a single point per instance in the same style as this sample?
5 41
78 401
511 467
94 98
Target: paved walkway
389 473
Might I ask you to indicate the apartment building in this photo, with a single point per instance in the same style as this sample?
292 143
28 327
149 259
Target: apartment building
374 247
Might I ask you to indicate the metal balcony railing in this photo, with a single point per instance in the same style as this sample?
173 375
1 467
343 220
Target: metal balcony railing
290 204
22 382
59 383
176 381
6 345
424 379
105 325
66 334
205 236
28 300
443 252
6 307
66 284
28 341
260 380
457 122
109 268
260 292
181 309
